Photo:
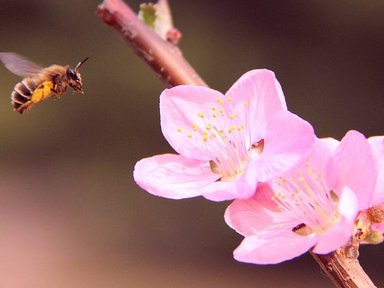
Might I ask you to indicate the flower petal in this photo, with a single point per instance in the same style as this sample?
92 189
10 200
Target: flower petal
185 111
287 140
261 96
243 187
348 206
331 143
273 248
338 235
355 168
173 176
247 216
222 191
379 227
335 237
377 146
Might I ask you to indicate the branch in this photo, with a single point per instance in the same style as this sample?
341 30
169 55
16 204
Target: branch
343 268
167 61
163 57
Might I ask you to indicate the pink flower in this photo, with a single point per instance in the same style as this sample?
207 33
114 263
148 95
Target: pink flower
225 143
370 222
377 145
314 205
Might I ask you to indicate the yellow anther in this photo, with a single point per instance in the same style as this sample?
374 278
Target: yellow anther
231 129
229 99
179 130
201 115
214 115
189 136
246 104
194 127
213 108
220 101
232 116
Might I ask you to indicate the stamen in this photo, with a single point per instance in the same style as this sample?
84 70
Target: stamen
307 198
224 135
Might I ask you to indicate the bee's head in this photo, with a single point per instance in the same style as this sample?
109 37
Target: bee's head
74 77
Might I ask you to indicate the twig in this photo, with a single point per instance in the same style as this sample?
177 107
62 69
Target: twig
167 61
343 269
165 58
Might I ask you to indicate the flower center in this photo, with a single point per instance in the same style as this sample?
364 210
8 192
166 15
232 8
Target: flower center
221 131
306 197
365 225
231 168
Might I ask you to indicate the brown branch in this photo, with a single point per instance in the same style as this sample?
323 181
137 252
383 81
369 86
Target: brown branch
163 57
167 61
343 268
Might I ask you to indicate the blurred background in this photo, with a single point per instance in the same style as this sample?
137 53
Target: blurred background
70 213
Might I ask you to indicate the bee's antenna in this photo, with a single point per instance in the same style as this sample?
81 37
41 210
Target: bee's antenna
80 63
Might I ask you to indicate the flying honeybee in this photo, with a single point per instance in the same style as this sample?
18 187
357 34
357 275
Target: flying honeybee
39 83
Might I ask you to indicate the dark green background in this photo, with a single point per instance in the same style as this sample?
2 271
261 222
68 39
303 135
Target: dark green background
70 213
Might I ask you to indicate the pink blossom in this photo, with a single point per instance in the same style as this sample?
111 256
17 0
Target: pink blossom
377 145
370 223
225 143
314 205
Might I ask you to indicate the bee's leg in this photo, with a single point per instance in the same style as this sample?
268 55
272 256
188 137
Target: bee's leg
58 86
58 89
42 91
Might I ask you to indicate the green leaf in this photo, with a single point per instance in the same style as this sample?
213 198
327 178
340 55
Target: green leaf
148 14
158 17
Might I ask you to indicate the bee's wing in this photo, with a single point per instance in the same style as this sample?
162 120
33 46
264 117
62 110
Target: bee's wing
19 65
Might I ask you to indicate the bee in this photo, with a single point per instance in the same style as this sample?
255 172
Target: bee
39 83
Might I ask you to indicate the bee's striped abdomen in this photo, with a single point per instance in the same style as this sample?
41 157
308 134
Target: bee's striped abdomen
22 92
